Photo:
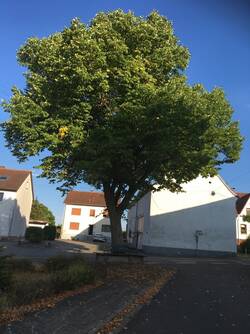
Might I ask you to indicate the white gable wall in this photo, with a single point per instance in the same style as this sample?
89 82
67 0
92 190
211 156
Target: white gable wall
24 199
206 205
7 206
15 210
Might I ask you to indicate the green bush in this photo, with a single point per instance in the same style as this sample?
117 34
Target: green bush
22 282
61 262
28 287
34 234
244 247
75 276
5 301
49 232
5 274
58 231
20 265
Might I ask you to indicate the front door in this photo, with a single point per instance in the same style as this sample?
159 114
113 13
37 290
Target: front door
91 226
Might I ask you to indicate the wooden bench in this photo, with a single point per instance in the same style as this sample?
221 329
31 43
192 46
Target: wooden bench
119 258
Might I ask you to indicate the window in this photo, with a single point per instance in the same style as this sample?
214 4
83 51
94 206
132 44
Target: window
1 196
106 228
76 211
74 226
3 177
248 212
92 212
243 228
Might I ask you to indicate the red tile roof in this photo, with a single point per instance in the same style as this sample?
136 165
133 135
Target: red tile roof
14 178
85 198
241 201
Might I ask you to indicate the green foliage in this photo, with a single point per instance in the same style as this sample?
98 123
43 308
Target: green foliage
49 232
23 283
246 218
20 265
40 212
4 302
34 234
28 287
58 231
61 262
244 247
5 274
109 104
69 272
74 276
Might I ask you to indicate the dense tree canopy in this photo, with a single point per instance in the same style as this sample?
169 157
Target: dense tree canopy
39 211
109 105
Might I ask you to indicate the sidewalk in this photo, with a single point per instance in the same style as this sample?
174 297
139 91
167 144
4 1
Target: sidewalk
79 314
87 313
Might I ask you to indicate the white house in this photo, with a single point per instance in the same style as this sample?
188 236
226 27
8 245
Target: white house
242 209
85 214
16 197
199 220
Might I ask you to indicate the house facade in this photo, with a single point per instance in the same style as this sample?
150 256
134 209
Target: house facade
16 197
198 221
242 210
84 215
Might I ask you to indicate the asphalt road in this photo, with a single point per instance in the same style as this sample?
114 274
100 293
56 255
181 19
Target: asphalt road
207 297
40 252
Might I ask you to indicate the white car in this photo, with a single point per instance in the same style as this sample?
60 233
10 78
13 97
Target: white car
99 237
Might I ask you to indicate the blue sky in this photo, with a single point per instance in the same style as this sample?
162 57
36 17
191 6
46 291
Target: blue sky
217 34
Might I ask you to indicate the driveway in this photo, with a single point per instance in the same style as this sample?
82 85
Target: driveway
206 296
40 252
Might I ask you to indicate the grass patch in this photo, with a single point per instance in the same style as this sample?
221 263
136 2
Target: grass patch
60 262
23 283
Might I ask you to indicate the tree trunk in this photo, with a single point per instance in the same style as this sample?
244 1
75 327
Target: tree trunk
116 230
115 215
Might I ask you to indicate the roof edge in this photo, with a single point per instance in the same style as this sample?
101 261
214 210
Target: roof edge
227 186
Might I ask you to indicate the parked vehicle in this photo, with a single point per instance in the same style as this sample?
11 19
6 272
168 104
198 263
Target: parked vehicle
99 238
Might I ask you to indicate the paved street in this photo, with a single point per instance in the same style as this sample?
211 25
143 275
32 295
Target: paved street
40 252
206 296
